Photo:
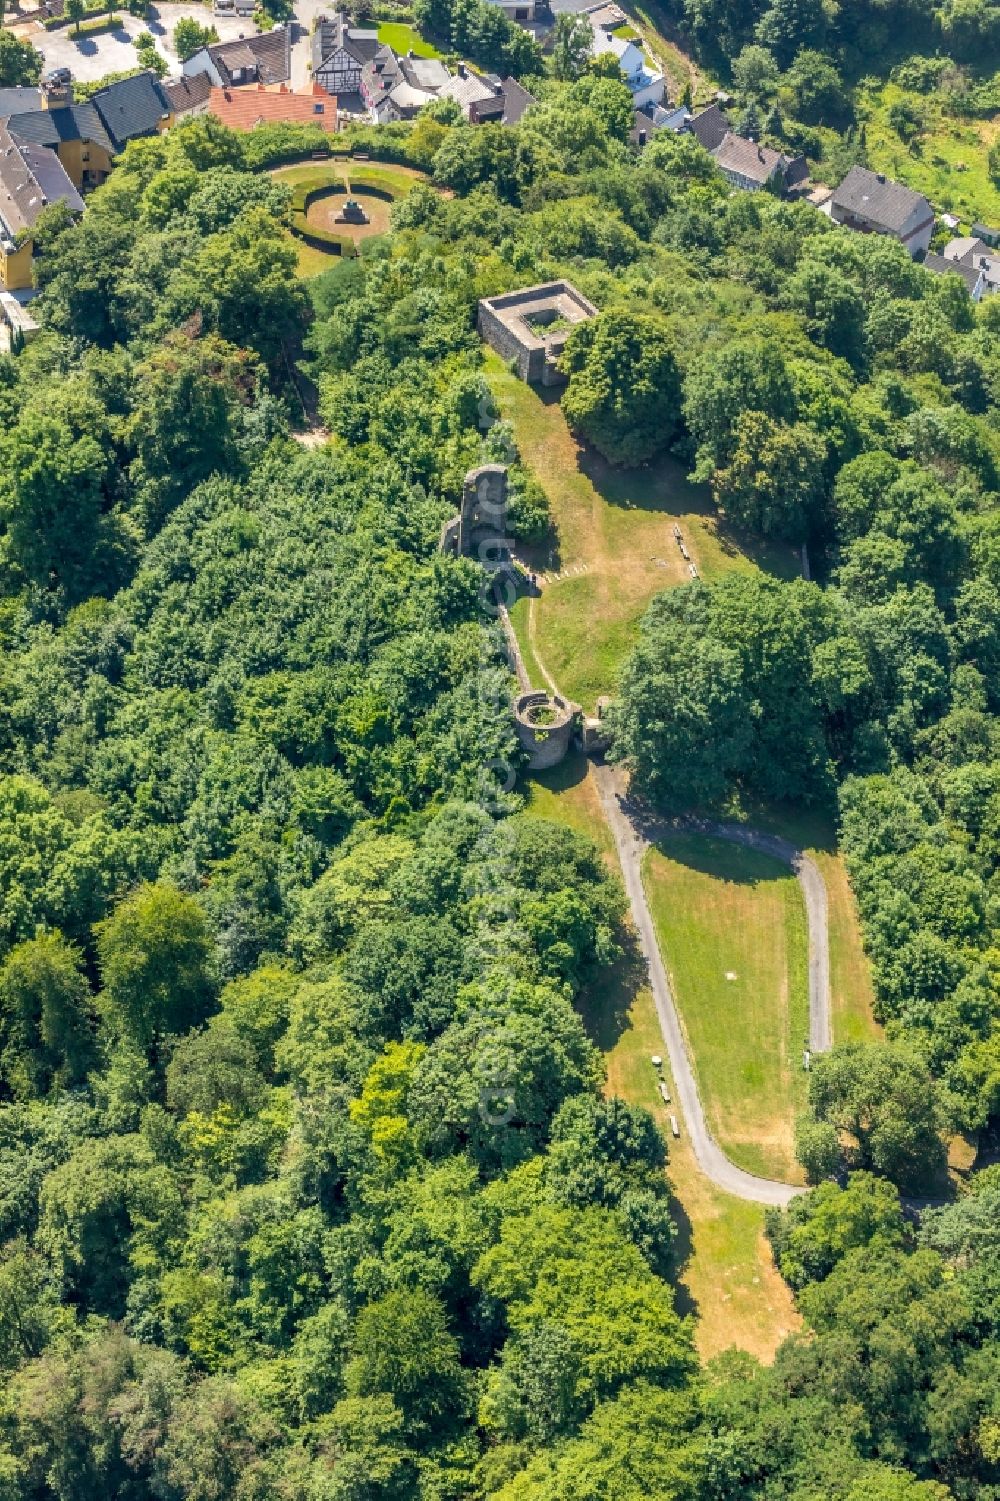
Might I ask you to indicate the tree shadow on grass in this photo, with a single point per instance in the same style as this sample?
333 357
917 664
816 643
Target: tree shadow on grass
570 772
683 1249
722 859
663 486
605 1001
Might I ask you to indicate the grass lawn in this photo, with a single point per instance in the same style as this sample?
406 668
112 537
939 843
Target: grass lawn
727 1278
851 991
310 260
392 178
402 38
614 527
732 929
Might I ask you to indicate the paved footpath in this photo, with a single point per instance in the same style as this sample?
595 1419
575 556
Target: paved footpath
633 834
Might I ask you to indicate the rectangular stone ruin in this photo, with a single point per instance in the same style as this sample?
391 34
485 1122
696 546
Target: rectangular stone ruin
531 327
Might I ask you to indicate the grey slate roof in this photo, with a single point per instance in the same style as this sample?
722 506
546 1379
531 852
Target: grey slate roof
131 107
269 55
517 100
70 122
879 200
31 178
942 266
15 101
984 232
710 127
187 93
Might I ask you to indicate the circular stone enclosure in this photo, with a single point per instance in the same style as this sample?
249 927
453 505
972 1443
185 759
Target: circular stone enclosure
545 724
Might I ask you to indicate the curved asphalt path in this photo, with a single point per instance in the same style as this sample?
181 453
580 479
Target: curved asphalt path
633 834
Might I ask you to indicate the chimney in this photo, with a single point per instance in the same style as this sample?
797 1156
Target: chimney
461 67
880 176
642 139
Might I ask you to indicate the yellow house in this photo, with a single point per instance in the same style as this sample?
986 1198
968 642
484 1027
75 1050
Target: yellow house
31 179
77 135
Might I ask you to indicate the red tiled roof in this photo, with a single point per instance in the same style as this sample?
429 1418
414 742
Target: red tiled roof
242 109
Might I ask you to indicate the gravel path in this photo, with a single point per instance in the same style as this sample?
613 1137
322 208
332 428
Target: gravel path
633 835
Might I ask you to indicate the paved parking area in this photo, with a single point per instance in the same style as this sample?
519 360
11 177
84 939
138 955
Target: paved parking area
91 57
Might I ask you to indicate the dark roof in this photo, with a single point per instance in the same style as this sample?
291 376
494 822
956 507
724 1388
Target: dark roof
983 232
941 266
796 171
187 93
879 200
331 35
70 122
382 73
747 158
269 56
710 127
31 178
516 101
14 101
131 107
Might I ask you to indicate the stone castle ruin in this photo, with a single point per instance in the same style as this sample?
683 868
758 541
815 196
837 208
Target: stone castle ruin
480 529
546 723
530 327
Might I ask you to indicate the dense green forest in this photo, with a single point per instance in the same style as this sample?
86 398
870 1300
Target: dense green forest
308 1188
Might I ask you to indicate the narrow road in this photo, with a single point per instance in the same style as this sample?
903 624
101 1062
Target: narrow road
633 835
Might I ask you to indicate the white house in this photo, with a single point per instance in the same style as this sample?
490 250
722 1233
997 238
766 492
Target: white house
646 86
252 59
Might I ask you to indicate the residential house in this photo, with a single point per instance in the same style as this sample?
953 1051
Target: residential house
984 232
396 88
521 11
76 133
709 126
32 178
751 166
975 254
873 204
516 100
131 108
653 118
973 276
646 85
254 59
242 10
17 326
242 109
486 98
15 101
187 96
339 53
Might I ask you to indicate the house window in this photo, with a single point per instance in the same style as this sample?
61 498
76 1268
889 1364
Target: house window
318 109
